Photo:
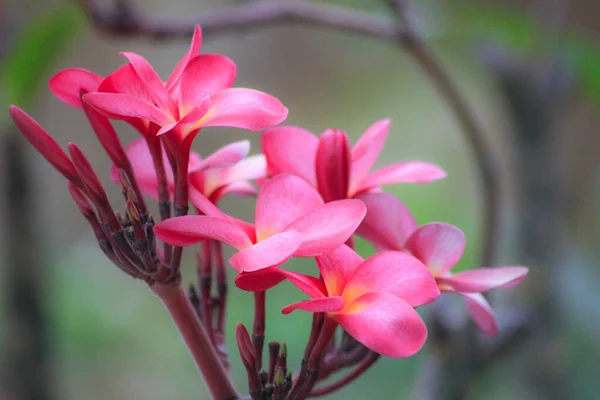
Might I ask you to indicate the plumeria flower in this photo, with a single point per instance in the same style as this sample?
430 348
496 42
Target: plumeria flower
328 163
389 225
197 94
373 299
227 170
291 219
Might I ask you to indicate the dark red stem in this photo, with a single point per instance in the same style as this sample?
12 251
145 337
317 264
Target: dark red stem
205 283
258 328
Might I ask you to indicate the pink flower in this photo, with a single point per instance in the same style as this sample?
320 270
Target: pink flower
291 219
389 225
225 171
330 165
197 94
373 300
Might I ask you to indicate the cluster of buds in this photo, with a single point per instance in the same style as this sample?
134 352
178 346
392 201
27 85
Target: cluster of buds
313 194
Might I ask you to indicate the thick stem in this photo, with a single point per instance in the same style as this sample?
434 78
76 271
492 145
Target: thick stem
164 197
181 194
205 283
196 338
258 328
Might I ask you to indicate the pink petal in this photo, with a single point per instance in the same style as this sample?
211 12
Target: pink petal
327 304
122 106
483 279
155 85
328 227
251 168
193 51
68 84
404 172
290 149
268 277
124 80
337 267
205 75
205 206
227 155
190 123
269 252
481 313
388 222
213 179
385 324
439 246
281 201
367 149
44 143
236 189
191 229
333 165
244 108
393 272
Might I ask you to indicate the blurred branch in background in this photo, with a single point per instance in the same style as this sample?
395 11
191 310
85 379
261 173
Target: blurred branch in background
25 366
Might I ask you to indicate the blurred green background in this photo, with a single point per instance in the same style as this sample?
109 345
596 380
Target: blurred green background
109 337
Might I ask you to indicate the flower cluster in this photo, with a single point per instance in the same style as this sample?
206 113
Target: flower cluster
313 194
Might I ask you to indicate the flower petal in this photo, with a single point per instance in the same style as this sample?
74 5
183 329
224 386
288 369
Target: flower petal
337 267
481 313
388 222
393 272
326 304
44 144
154 84
244 108
367 149
193 51
385 324
328 227
403 172
439 246
68 84
205 206
205 75
281 201
191 229
226 155
234 188
268 277
290 149
483 279
269 252
125 80
333 165
122 106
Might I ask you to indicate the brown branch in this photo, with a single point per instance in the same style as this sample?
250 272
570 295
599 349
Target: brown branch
124 20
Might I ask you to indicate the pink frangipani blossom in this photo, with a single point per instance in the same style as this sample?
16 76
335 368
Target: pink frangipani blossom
373 299
197 94
338 171
291 219
389 225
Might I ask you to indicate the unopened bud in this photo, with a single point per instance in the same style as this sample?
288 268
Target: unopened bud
132 212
